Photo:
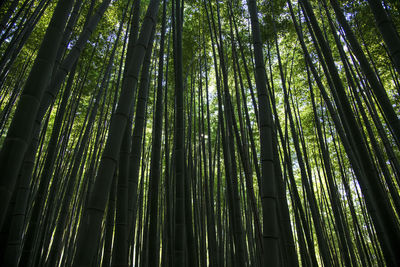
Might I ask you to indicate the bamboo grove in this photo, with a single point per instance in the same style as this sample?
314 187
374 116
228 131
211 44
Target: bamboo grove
199 133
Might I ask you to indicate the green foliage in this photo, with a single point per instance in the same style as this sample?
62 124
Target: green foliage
276 25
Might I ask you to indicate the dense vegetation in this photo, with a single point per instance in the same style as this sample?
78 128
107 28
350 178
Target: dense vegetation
199 133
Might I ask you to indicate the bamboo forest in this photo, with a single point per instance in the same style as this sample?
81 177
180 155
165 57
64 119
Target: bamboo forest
195 133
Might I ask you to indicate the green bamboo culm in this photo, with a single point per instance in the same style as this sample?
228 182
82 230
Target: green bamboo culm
18 135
